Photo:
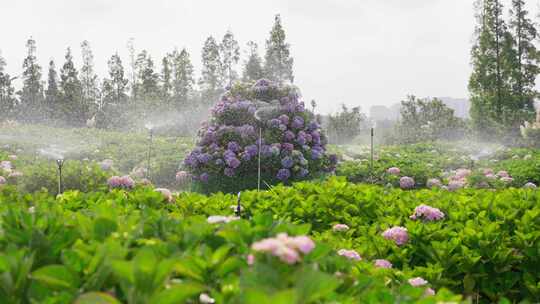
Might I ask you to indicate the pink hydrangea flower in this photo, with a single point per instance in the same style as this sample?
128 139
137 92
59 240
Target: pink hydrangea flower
428 213
491 176
12 157
462 173
455 185
417 282
397 234
503 174
286 248
393 171
350 254
106 164
487 171
406 182
6 165
429 292
382 263
125 182
433 183
2 180
340 227
166 193
250 259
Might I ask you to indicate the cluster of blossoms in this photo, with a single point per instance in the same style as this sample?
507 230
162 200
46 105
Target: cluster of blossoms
406 183
393 171
292 145
398 234
350 254
434 183
2 180
340 227
530 185
428 213
106 164
288 249
166 193
419 282
382 263
121 182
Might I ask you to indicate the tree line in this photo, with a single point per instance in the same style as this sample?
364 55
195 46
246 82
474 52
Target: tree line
505 65
77 97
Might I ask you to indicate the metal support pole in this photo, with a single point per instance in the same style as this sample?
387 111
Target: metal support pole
60 163
259 161
149 156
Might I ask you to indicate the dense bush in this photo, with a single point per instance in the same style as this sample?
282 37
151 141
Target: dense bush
134 247
293 147
345 126
427 120
129 151
486 246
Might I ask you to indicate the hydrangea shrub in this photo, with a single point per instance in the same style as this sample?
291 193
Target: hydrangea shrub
292 146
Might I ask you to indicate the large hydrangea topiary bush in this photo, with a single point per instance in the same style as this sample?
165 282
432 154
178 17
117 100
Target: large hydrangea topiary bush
293 146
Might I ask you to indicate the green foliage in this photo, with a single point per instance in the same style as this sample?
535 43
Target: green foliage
346 125
427 120
57 251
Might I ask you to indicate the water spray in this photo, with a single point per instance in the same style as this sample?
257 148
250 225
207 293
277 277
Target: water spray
150 127
60 164
371 156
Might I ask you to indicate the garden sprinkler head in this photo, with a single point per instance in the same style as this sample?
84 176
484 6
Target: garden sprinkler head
238 205
60 163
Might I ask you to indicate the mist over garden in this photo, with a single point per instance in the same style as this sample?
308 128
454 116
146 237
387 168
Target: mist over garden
161 183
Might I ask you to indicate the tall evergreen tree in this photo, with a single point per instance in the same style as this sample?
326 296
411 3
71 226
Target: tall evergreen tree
89 79
72 106
132 66
31 95
183 78
230 53
52 94
7 92
488 83
147 83
253 69
278 62
211 81
525 66
166 78
114 102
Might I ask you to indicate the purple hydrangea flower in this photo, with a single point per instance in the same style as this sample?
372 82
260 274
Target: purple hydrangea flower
204 177
298 122
397 234
284 119
288 147
350 254
382 263
229 154
274 123
252 150
283 127
219 162
288 136
204 158
287 162
406 182
283 174
233 162
233 146
303 172
428 213
229 172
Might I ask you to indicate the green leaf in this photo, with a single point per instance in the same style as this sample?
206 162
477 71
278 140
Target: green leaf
178 293
56 276
314 285
96 298
468 283
103 227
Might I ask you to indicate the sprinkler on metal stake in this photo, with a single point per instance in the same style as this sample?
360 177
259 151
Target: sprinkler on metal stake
149 126
60 164
238 210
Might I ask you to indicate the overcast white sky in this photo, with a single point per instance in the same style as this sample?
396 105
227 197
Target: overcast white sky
357 52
